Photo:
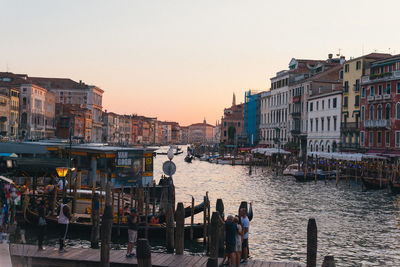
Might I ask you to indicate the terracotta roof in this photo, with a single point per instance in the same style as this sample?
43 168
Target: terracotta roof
58 83
330 75
12 79
201 124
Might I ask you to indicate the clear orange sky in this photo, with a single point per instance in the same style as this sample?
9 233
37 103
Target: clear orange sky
182 60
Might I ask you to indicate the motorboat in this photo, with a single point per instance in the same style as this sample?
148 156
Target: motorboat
291 169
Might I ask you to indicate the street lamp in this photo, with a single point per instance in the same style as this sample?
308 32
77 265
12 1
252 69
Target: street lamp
170 153
62 172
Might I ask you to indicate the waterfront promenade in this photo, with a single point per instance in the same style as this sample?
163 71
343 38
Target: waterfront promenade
28 255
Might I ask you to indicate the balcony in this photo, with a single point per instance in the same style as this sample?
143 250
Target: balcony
295 114
378 97
356 87
386 96
379 77
377 124
371 98
350 126
348 146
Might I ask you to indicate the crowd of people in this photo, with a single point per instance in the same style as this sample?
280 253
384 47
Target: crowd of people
236 239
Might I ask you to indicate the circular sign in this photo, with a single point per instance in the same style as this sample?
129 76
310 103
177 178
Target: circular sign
169 168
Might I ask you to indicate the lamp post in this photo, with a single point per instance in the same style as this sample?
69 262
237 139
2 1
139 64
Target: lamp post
62 172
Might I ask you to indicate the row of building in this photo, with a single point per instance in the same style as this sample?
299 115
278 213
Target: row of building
323 105
36 108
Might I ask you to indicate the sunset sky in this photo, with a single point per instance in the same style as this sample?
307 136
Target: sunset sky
182 60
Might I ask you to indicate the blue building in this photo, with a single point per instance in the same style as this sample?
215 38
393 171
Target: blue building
251 129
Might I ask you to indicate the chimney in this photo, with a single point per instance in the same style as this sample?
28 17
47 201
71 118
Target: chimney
342 59
330 56
80 81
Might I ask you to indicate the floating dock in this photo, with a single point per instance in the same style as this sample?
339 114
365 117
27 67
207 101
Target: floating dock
28 255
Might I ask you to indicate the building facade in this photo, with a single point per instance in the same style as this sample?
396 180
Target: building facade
232 124
380 106
201 133
252 117
353 71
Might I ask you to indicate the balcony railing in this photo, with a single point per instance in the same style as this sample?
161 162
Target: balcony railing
295 114
381 76
350 126
378 97
386 96
349 145
377 124
371 98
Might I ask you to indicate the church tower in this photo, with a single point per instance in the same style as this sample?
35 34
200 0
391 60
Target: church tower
234 100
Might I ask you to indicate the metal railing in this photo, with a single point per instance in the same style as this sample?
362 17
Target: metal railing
377 123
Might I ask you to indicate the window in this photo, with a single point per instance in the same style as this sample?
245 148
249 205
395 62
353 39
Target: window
322 124
328 122
346 68
357 85
323 104
224 133
371 138
371 112
311 107
334 102
238 124
329 103
346 86
387 138
357 101
345 101
317 105
379 115
397 139
316 125
387 112
371 91
398 88
334 123
358 65
363 92
398 111
380 89
362 138
379 138
311 124
341 75
387 91
362 113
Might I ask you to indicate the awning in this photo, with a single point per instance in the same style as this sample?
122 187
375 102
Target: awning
5 179
10 155
269 151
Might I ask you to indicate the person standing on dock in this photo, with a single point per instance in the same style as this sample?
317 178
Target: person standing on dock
230 239
63 222
133 227
245 228
41 224
239 241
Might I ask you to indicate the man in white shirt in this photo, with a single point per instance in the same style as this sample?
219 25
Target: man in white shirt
245 228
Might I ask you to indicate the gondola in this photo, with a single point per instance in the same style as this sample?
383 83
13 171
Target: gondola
83 224
374 183
310 176
394 187
188 159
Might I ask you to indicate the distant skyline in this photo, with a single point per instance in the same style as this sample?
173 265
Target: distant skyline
182 60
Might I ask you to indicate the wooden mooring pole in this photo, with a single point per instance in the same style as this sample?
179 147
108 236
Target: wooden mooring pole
213 242
94 238
191 219
119 213
311 243
180 231
143 253
170 228
106 227
329 261
205 222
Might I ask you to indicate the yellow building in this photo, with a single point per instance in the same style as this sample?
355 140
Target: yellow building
14 112
353 70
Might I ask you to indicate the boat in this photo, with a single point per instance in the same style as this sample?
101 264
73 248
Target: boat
394 187
291 169
310 176
374 183
224 161
204 158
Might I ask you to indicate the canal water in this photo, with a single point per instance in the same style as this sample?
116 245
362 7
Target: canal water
360 228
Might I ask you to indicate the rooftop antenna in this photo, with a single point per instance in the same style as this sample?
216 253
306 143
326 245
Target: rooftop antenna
338 55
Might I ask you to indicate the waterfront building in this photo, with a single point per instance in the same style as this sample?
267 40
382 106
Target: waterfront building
299 93
201 133
251 117
324 106
185 135
49 115
73 120
275 120
217 133
111 127
68 91
232 123
264 127
380 106
14 113
125 130
4 111
353 71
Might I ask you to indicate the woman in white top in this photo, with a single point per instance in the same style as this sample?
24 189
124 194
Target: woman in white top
239 240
